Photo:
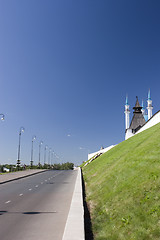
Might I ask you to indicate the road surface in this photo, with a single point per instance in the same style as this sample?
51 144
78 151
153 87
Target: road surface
36 207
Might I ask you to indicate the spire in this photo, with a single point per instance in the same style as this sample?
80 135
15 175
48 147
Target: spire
126 99
138 119
142 104
149 94
127 112
149 101
137 105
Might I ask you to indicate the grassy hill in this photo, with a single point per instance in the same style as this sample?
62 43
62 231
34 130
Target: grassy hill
123 189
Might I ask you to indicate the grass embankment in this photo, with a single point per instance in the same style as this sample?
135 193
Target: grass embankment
123 189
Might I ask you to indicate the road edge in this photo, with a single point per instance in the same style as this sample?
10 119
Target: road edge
74 229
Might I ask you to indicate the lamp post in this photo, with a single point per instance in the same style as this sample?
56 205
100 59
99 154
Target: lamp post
19 147
40 152
45 149
33 138
52 157
49 155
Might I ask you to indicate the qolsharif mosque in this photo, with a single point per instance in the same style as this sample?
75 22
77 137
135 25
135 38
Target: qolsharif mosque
142 119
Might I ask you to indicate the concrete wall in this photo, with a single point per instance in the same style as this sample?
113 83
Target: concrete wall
128 134
151 122
90 155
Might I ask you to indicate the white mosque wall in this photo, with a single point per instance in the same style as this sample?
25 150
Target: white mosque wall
128 134
151 122
90 155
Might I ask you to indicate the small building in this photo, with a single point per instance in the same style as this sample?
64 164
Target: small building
139 116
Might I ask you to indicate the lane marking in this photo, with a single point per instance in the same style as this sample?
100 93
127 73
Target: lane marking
21 194
8 202
30 189
45 180
36 186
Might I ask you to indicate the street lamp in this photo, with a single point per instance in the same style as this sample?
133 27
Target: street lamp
33 138
45 154
2 118
49 154
19 147
40 152
52 157
53 154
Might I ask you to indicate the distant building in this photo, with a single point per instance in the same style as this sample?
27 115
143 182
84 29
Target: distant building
140 118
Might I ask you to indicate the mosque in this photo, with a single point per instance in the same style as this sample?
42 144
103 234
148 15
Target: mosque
142 118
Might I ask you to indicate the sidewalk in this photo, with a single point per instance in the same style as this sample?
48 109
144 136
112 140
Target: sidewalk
8 177
74 229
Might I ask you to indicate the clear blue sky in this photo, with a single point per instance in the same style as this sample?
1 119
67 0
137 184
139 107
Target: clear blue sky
65 69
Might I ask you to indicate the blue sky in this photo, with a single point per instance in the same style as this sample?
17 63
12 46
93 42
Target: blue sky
65 70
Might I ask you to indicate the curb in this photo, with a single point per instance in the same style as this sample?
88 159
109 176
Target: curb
74 229
14 179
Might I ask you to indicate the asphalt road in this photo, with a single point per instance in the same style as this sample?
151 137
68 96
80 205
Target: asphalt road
36 207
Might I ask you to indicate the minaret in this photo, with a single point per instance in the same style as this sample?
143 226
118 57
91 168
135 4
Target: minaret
127 112
149 101
143 110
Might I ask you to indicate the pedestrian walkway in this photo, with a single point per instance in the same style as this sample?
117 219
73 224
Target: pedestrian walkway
74 229
8 177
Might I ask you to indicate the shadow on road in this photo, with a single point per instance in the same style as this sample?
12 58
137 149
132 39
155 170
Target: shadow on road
29 213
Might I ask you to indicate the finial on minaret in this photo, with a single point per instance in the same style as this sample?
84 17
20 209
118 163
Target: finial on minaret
126 99
149 94
149 101
127 112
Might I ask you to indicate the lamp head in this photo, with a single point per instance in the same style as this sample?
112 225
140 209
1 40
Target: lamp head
2 118
22 129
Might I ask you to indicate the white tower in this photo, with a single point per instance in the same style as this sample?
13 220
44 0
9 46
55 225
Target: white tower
143 110
127 112
149 101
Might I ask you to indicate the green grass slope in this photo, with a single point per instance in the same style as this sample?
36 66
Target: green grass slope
123 189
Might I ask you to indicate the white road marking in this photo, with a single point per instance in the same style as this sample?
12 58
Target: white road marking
30 189
8 202
21 194
45 180
36 186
